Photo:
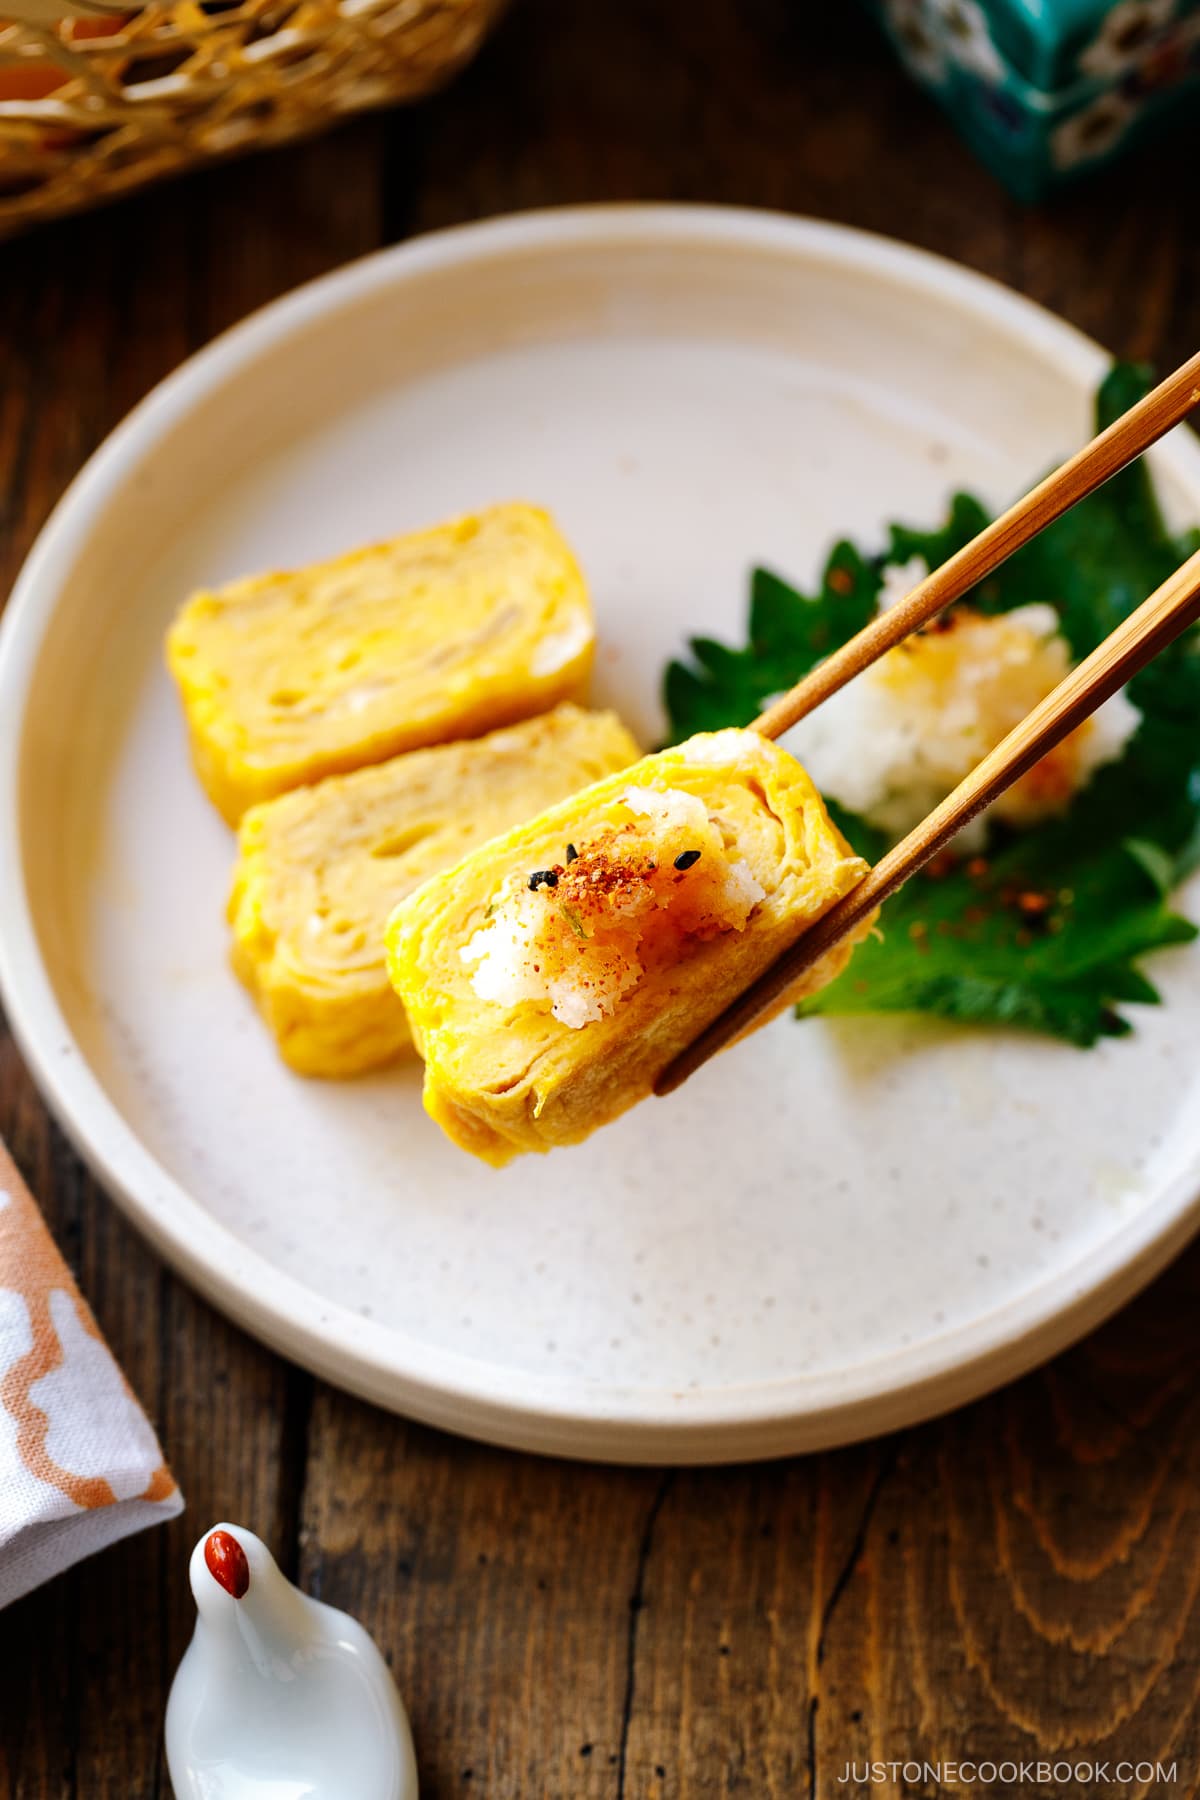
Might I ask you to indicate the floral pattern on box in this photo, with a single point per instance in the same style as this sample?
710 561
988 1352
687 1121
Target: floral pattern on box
1122 69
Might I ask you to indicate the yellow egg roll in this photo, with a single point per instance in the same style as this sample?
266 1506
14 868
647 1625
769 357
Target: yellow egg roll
288 677
320 869
551 974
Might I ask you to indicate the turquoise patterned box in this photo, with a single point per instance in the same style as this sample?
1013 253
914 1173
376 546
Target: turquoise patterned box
1044 90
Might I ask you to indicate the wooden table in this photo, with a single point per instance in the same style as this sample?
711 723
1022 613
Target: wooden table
1016 1582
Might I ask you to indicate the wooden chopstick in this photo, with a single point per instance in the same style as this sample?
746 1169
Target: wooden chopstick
1135 642
1126 438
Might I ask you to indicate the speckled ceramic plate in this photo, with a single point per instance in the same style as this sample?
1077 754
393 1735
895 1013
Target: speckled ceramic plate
837 1228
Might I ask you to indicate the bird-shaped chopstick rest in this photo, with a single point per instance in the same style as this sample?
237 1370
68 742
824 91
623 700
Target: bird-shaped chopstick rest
278 1693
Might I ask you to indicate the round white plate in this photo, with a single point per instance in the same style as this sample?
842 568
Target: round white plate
834 1230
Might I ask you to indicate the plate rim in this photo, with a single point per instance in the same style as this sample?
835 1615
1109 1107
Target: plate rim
739 1421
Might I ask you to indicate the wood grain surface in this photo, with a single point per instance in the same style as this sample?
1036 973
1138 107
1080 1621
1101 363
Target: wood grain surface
1017 1582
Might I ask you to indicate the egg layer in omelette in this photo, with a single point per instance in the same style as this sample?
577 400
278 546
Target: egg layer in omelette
320 869
551 975
447 633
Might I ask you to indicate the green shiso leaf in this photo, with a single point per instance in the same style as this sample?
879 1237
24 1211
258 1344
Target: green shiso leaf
1094 565
1046 932
789 633
963 945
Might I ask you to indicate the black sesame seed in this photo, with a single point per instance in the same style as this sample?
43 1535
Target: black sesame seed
572 853
687 858
542 877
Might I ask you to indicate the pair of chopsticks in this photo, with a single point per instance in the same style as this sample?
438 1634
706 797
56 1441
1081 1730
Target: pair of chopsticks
1169 611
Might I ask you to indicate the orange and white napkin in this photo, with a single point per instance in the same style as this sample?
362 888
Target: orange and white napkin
80 1465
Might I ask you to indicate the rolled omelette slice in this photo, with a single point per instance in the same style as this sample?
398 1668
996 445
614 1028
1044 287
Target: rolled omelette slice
553 973
319 870
286 678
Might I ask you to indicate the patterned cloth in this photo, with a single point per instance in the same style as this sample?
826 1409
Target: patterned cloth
80 1466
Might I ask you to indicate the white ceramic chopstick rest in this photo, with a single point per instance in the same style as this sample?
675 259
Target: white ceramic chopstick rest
277 1693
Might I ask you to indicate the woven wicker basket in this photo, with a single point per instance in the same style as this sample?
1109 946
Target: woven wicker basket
92 107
